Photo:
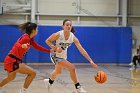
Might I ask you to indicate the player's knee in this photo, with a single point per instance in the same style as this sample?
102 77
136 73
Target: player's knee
33 73
10 78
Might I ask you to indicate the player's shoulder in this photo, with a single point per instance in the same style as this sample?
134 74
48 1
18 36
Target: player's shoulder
72 34
75 39
57 34
25 36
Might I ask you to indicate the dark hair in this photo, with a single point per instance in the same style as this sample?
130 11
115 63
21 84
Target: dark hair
72 29
28 27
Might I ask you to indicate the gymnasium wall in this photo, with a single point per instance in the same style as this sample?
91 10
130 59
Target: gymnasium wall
104 44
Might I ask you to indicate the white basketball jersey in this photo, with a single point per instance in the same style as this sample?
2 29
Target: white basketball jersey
64 44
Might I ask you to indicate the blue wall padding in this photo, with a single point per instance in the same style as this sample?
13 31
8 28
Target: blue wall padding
104 44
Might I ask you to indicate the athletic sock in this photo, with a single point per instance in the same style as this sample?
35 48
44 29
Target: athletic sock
51 81
77 85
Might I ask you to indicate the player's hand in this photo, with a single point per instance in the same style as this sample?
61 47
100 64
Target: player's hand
54 48
25 45
58 49
93 64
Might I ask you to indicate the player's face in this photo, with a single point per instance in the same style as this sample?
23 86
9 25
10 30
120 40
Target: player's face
67 26
35 31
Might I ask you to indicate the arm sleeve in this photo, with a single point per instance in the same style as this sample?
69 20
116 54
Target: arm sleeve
39 47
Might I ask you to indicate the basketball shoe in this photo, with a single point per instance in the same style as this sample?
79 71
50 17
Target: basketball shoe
23 90
81 90
47 84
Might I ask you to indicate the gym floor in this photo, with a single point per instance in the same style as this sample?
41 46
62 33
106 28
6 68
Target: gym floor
119 79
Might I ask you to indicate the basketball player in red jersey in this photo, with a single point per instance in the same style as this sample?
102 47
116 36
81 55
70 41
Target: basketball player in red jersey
13 61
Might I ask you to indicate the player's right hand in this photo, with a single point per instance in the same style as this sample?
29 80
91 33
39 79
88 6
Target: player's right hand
25 45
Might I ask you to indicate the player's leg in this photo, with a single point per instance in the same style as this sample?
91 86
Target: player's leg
71 68
139 61
56 72
11 74
135 58
24 69
10 68
10 77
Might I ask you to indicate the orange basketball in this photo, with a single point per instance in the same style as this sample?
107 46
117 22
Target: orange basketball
100 77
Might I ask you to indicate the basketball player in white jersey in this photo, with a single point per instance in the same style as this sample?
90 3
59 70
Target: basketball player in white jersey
63 39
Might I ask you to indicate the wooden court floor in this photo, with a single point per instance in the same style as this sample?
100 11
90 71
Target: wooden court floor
119 80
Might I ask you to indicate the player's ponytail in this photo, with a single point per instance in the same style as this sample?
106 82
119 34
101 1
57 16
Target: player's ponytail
73 30
27 27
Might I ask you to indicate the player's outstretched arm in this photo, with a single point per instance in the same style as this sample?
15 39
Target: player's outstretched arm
83 52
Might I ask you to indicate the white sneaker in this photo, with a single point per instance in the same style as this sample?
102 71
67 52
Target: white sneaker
47 84
133 67
23 90
130 64
81 90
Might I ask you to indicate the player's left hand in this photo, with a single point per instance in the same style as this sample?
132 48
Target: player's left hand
93 64
58 49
